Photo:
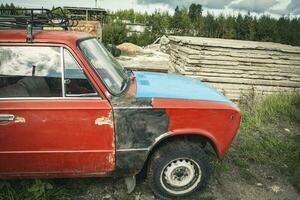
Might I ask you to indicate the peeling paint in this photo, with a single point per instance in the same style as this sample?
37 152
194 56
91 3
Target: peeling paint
20 120
104 121
137 125
111 158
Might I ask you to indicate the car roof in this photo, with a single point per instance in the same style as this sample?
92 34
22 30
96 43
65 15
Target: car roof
68 38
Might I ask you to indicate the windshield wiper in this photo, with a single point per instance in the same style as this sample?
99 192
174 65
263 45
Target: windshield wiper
124 84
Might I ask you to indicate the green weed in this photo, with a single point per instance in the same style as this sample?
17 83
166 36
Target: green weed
263 141
258 111
32 190
123 196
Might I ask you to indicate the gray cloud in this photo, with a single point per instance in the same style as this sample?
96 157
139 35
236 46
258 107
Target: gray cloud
217 4
294 7
258 6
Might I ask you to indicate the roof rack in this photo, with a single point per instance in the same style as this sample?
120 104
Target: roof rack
34 18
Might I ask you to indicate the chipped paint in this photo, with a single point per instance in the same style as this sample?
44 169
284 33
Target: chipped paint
104 120
111 159
20 120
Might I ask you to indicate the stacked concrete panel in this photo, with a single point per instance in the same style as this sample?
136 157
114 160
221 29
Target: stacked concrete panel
237 67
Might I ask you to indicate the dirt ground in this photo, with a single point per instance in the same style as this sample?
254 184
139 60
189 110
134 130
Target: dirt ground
226 182
267 185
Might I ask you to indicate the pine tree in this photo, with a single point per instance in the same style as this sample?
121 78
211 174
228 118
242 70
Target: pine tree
230 27
195 12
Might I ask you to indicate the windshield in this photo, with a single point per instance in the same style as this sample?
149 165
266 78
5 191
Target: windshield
107 67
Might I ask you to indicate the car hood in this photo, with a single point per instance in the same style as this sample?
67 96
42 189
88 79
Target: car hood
161 85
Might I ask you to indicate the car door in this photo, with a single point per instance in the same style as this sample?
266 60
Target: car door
52 120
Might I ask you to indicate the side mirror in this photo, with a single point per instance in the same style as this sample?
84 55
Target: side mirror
113 50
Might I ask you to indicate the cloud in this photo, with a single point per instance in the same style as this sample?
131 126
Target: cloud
291 7
258 6
215 4
294 7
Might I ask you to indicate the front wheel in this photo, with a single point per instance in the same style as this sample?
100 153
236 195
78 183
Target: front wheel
177 170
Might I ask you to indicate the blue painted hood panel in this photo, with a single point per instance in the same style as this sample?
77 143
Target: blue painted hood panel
160 85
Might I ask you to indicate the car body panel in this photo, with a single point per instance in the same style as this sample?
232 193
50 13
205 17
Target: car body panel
161 85
112 134
218 121
142 123
56 135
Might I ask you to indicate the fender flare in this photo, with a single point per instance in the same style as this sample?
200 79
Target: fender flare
180 132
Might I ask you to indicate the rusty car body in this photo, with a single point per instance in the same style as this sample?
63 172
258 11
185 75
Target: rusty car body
48 130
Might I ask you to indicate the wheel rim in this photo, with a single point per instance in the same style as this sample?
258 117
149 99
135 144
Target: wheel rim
180 176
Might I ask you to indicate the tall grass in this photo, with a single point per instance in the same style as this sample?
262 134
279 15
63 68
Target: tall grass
258 111
265 137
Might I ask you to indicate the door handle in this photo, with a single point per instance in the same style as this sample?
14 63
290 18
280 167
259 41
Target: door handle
7 117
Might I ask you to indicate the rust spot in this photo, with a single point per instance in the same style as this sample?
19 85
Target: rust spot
104 120
19 120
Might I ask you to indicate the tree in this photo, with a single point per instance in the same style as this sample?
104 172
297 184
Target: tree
283 26
266 28
195 12
114 32
191 22
2 6
253 29
246 26
12 6
220 25
239 32
294 31
181 23
230 27
210 26
159 23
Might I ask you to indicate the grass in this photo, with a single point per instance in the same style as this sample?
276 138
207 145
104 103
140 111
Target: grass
124 196
32 190
257 112
261 141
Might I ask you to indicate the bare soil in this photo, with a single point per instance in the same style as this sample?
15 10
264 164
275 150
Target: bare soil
265 185
228 181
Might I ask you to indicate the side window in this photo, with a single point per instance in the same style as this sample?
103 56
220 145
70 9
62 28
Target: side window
76 83
30 71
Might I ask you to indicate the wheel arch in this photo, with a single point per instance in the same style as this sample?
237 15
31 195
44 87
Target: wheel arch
197 136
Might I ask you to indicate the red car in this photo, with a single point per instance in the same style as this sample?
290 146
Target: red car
69 109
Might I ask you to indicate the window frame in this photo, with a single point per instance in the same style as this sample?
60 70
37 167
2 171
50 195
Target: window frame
76 95
62 67
110 92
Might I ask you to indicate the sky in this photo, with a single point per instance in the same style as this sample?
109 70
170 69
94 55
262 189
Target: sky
274 8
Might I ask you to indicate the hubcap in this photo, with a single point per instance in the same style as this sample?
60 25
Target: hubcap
180 176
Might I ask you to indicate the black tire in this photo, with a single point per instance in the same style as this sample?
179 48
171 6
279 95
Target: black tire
178 170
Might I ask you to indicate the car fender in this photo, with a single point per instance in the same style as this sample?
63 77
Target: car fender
178 132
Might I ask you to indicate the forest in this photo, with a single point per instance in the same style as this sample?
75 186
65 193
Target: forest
193 21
